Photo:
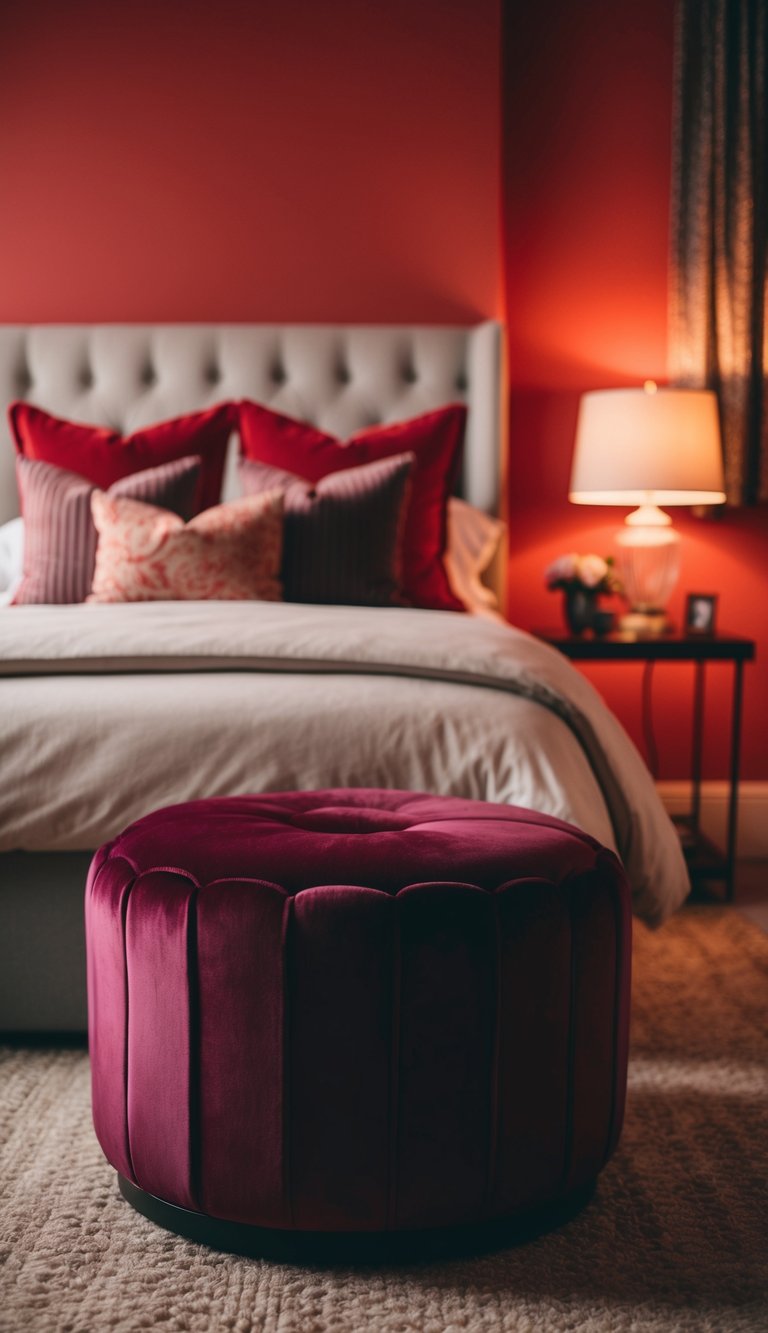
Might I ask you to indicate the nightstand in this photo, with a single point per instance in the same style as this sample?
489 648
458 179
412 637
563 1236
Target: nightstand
705 860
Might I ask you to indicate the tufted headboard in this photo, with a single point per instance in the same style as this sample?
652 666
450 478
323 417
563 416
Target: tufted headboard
341 378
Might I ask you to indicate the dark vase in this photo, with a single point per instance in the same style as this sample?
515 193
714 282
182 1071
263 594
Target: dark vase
580 607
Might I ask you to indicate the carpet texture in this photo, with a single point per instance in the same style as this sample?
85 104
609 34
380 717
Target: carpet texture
675 1238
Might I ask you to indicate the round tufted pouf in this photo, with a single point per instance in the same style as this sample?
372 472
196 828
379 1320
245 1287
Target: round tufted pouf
355 1011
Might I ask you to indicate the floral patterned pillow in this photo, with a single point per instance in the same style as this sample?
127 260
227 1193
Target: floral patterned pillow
230 552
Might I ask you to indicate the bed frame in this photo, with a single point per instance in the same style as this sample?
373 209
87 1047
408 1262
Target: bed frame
339 377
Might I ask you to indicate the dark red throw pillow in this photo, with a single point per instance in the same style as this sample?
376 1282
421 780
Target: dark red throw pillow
105 456
435 439
342 538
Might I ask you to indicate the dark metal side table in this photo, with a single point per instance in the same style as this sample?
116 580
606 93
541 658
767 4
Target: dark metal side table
705 860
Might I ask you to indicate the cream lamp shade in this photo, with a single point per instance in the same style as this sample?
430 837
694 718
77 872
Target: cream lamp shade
648 446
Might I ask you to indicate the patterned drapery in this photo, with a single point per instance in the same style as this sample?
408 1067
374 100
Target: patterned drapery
718 334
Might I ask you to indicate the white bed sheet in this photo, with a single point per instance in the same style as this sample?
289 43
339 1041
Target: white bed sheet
108 712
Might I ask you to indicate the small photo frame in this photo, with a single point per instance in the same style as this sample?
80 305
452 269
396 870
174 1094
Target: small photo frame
701 613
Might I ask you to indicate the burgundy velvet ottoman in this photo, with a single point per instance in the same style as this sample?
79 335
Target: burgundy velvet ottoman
355 1013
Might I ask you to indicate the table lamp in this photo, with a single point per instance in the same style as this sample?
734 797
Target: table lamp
648 447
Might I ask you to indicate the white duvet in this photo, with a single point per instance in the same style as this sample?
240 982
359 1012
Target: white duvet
107 712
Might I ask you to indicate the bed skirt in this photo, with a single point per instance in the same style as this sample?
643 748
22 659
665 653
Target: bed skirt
42 942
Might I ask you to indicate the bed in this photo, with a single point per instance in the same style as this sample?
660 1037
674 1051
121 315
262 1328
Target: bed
107 712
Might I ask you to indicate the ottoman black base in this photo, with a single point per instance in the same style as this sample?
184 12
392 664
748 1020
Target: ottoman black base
354 1247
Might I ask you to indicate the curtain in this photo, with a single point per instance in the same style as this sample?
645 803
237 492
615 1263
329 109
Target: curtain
718 334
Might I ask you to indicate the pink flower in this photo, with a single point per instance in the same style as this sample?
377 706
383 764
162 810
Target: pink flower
562 570
591 570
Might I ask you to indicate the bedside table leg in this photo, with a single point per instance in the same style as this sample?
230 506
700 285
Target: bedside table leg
733 800
696 745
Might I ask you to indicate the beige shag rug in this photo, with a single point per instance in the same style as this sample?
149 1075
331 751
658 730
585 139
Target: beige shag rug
676 1237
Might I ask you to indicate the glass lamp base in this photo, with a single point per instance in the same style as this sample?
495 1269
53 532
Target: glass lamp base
649 566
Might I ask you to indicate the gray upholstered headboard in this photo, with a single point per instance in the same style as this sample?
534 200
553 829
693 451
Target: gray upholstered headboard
339 377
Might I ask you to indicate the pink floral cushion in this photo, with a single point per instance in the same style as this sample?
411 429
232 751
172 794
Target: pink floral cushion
231 552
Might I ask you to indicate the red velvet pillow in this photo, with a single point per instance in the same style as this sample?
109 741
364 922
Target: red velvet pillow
104 456
434 439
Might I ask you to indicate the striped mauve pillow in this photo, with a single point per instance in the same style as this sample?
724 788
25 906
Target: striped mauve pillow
59 533
342 536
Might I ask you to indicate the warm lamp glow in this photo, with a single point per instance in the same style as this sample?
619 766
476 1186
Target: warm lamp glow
648 446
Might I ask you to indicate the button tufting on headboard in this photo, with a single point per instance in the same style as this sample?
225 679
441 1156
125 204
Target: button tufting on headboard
23 381
340 377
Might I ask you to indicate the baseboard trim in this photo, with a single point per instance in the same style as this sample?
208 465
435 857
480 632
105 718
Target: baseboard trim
752 842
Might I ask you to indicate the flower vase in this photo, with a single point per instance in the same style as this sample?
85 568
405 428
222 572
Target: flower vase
580 607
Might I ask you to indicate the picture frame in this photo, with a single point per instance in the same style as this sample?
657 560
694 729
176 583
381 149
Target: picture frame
701 614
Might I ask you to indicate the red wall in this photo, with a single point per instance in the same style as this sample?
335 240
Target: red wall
301 160
587 115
